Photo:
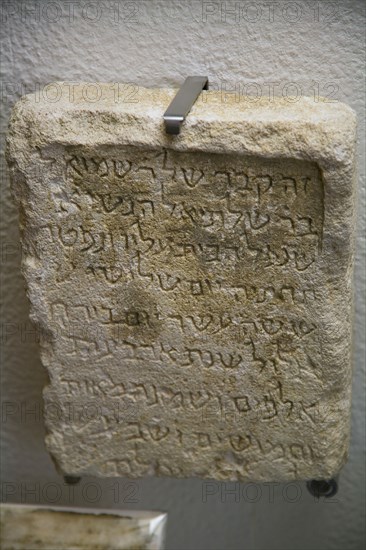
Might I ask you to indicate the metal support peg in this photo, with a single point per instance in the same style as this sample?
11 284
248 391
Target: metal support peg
72 480
323 487
183 102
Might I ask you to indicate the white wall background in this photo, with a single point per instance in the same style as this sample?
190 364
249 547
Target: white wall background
317 46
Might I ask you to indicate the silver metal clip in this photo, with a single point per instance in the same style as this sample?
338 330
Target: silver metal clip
183 101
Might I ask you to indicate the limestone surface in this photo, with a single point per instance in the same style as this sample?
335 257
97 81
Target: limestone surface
193 293
25 527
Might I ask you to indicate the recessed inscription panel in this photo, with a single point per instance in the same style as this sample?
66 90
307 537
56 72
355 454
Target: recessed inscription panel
189 282
193 292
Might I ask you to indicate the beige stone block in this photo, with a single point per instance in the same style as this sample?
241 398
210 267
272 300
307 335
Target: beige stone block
193 293
60 528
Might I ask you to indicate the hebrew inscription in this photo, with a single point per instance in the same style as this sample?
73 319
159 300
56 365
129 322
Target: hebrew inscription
184 296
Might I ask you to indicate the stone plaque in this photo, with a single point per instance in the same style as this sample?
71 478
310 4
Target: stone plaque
59 528
192 292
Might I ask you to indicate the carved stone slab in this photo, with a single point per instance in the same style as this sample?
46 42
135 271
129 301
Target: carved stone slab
44 527
193 292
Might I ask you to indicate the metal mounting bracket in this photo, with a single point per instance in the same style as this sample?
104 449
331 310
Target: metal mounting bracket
183 101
